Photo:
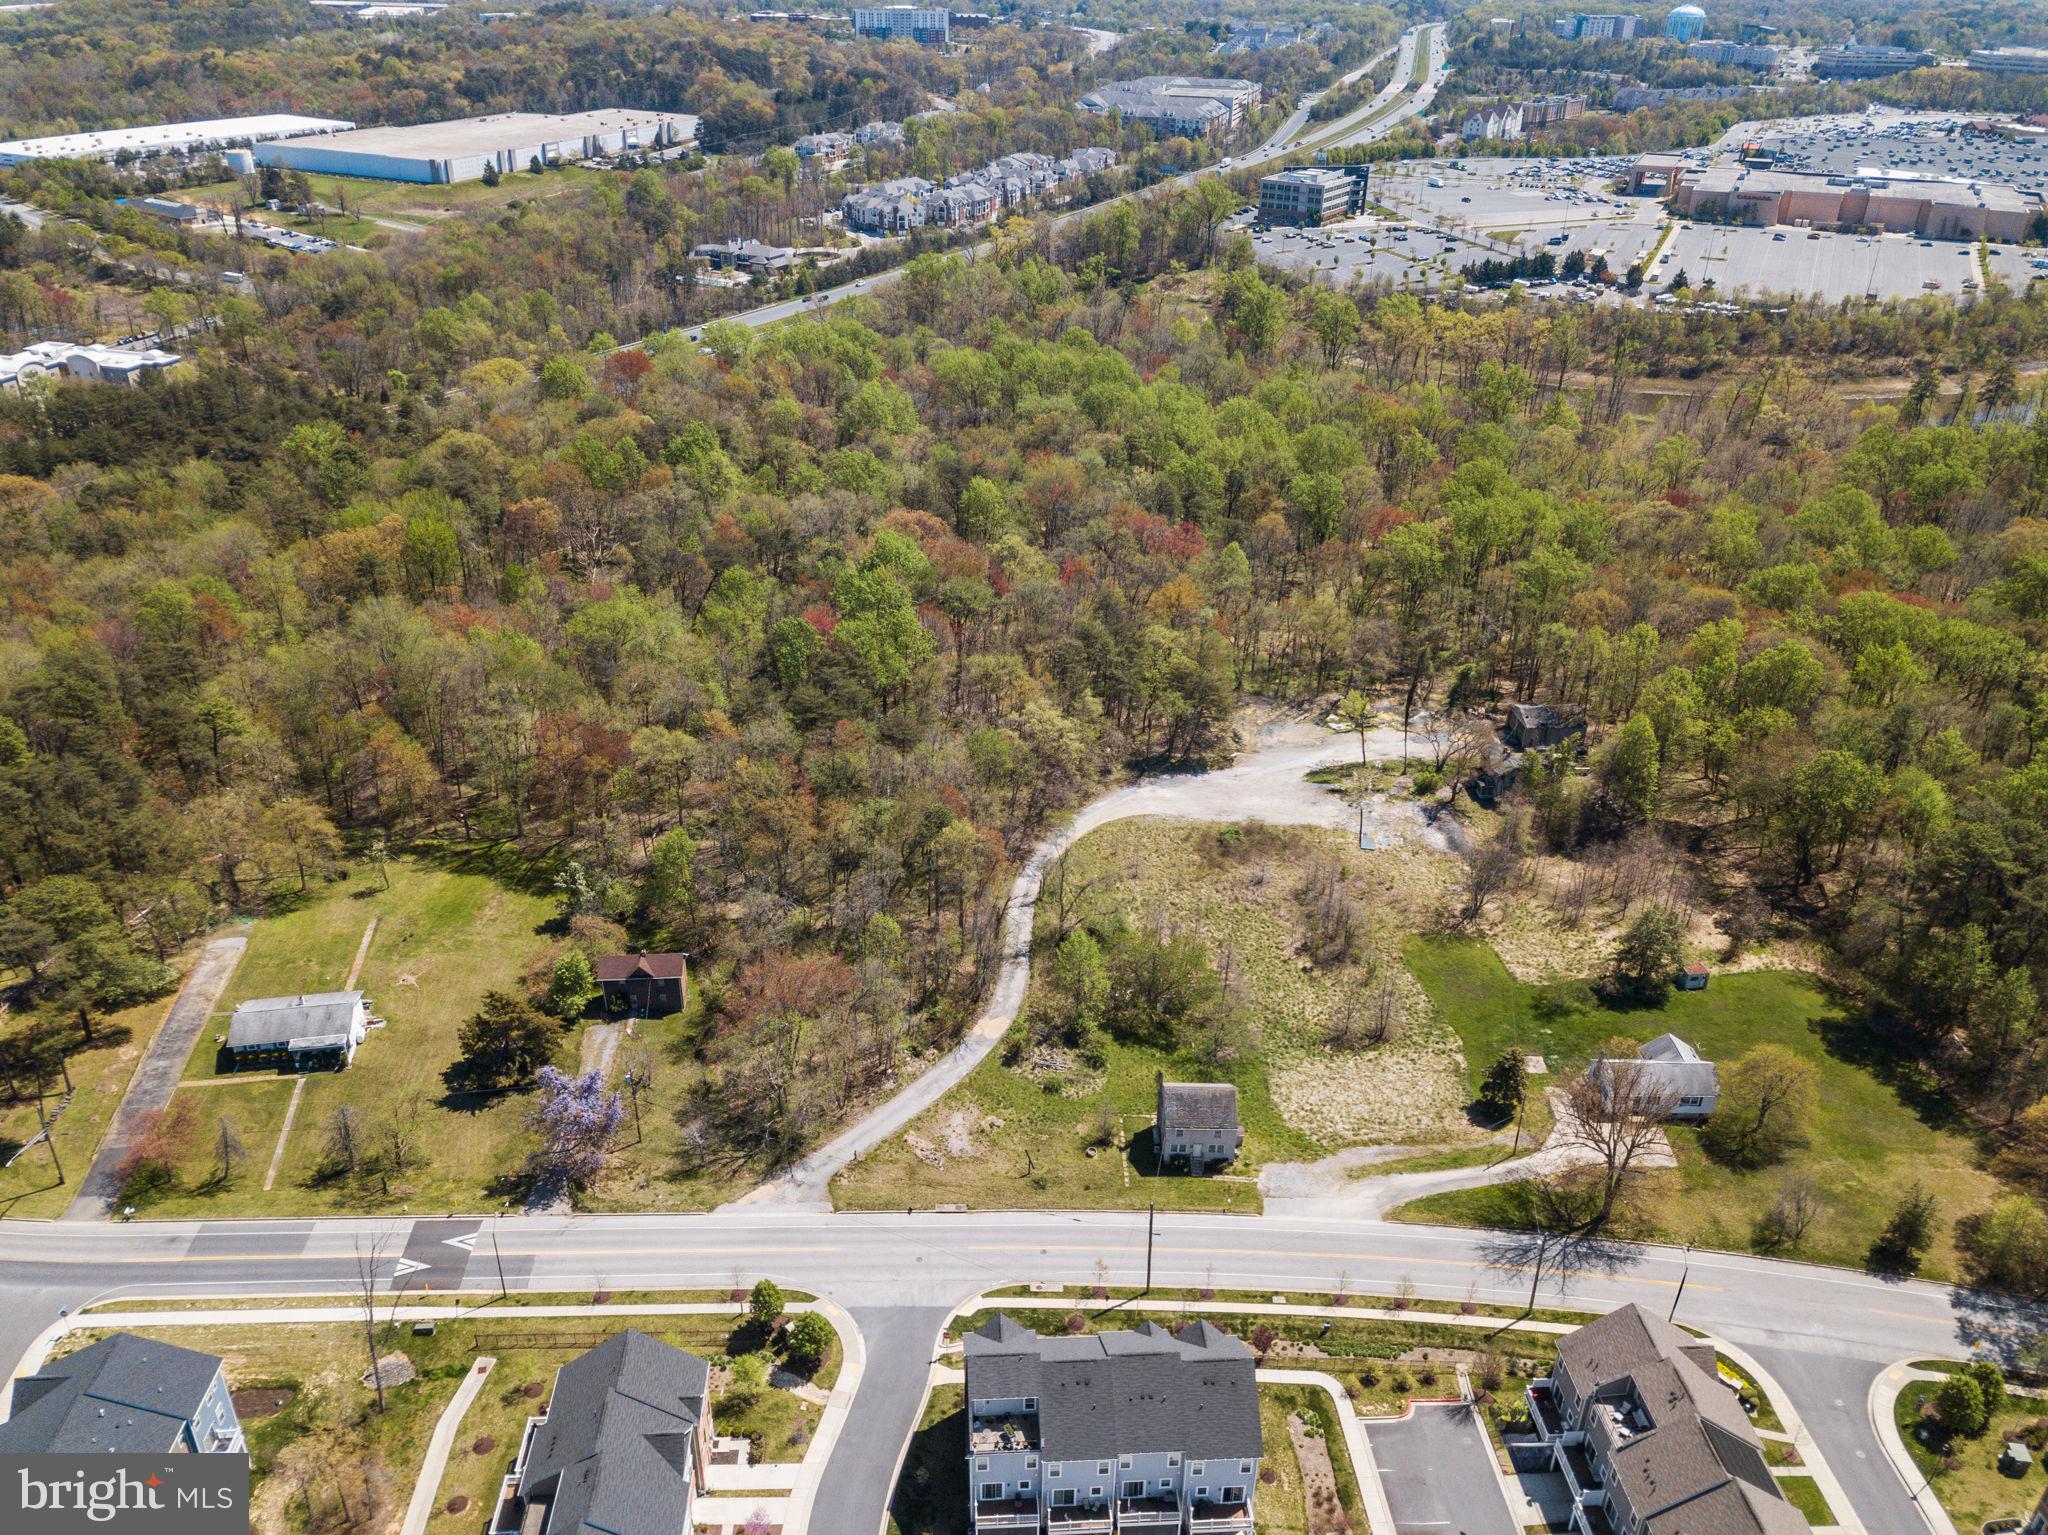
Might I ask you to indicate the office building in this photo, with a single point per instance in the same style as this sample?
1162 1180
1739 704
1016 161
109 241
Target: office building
1726 55
1546 111
1150 1432
167 138
462 150
2010 61
1864 61
930 25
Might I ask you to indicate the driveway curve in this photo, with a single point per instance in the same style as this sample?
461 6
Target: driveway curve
1268 782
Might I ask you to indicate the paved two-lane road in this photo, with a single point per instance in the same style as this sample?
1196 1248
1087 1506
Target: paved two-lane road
1825 1333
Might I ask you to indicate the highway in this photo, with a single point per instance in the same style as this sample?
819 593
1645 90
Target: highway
1823 1333
1364 126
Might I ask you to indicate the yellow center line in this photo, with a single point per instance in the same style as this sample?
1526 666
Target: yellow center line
1348 1257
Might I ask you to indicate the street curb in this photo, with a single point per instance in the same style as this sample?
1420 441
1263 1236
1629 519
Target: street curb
1884 1393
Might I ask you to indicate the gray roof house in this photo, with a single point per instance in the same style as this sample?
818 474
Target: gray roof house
621 1449
124 1395
1650 1439
320 1028
1532 726
1197 1121
1668 1068
1149 1430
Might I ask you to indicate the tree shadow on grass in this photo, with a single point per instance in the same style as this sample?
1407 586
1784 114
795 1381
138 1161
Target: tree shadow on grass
930 1496
1868 1040
504 861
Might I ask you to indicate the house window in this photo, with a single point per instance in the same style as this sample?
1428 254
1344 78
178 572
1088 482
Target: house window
1233 1494
1031 1464
1023 1487
991 1492
1031 1404
1173 1460
982 1464
1195 1466
1244 1468
1102 1467
1063 1497
1125 1462
1166 1484
1094 1492
1134 1489
1201 1492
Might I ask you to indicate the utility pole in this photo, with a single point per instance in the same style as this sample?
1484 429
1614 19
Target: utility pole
1683 1275
1150 1211
50 1140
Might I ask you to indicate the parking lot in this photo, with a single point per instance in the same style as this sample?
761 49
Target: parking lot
1922 143
1366 249
1829 266
1516 200
1439 1472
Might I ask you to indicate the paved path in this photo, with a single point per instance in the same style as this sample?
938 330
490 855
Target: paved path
1267 783
426 1492
156 1078
1884 1424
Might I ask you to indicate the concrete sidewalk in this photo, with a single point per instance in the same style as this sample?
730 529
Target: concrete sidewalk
426 1491
1379 1514
156 1078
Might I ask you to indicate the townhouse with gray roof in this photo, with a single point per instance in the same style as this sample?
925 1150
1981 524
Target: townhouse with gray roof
124 1395
621 1449
1650 1439
1150 1431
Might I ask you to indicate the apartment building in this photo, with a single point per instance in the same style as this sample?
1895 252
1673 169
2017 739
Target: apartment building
1183 105
1150 1432
929 25
1585 27
1650 1439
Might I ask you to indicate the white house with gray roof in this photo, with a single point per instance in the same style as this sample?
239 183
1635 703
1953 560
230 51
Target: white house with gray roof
320 1028
1197 1122
1149 1431
124 1395
1650 1439
1666 1071
621 1449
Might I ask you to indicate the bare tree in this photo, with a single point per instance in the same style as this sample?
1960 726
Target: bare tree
1614 1117
1491 867
1552 1230
398 1137
1790 1214
367 1260
343 1147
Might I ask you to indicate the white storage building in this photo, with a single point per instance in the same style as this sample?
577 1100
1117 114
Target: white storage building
461 150
168 138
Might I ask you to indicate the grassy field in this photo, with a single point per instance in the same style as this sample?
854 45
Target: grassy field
99 1075
1976 1491
398 199
1882 1123
443 938
327 1443
452 1301
1804 1494
1019 1135
1281 1503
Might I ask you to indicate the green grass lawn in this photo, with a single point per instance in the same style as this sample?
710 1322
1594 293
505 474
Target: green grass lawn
1976 1491
930 1497
99 1077
1883 1123
331 1416
1297 1096
444 937
1804 1494
1281 1502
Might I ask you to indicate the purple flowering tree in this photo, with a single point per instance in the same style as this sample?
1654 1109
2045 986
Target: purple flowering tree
577 1119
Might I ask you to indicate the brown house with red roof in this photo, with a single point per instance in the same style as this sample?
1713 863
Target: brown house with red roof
645 985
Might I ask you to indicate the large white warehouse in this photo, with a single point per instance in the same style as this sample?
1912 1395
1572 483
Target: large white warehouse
461 150
168 138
